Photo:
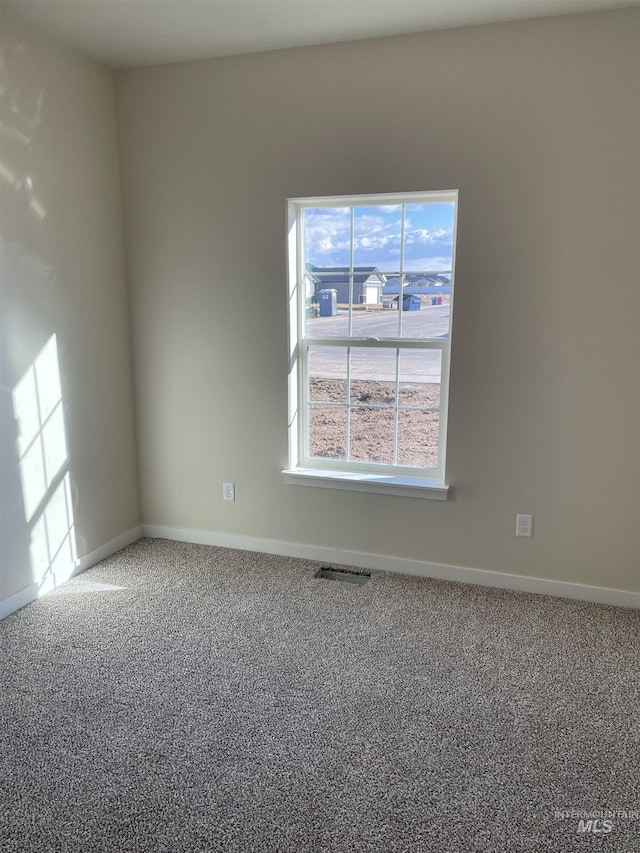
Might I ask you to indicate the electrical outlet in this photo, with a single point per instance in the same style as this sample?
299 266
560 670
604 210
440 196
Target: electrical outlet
229 491
524 525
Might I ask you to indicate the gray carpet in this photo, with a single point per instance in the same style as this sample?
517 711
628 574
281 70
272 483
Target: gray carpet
186 698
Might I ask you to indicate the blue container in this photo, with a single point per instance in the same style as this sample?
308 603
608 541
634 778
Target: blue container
411 302
328 299
434 300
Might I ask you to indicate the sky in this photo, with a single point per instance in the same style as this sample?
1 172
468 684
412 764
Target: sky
428 237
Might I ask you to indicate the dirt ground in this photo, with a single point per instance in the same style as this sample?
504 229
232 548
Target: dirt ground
371 430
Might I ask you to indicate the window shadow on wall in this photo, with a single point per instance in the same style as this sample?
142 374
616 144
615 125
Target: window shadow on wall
44 469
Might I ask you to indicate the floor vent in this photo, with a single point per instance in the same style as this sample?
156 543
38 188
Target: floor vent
343 575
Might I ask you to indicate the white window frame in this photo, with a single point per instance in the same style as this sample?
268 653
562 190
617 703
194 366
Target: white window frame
355 475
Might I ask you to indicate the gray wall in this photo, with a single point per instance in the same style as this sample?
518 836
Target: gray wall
537 125
63 273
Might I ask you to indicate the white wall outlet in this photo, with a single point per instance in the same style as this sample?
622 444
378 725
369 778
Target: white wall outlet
524 525
229 491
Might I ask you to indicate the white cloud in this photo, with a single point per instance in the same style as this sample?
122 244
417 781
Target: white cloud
376 242
434 264
423 235
327 230
377 239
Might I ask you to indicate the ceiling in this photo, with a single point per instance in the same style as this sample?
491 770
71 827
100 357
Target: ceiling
125 33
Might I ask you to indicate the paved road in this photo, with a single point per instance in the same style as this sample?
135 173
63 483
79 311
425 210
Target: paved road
380 364
431 321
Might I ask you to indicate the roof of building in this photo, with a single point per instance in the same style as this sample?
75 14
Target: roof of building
420 279
326 276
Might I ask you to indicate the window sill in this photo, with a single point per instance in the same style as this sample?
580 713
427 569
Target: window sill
408 487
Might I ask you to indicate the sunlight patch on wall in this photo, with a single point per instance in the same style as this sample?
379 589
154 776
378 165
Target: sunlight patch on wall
53 543
44 458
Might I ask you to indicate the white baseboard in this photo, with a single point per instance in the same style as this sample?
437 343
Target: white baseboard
107 550
36 590
481 577
19 600
441 571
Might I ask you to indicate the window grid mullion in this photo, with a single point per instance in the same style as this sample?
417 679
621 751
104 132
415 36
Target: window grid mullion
390 272
327 404
445 361
442 345
378 343
395 413
351 249
347 453
303 375
401 277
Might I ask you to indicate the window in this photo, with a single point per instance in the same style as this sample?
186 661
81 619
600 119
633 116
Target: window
370 310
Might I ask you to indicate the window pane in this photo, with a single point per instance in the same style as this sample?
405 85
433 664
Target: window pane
327 237
373 376
420 374
428 259
376 247
378 320
428 237
323 316
327 255
376 237
425 310
328 431
418 438
325 313
371 435
327 374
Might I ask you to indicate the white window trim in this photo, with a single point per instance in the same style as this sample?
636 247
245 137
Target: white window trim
353 475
